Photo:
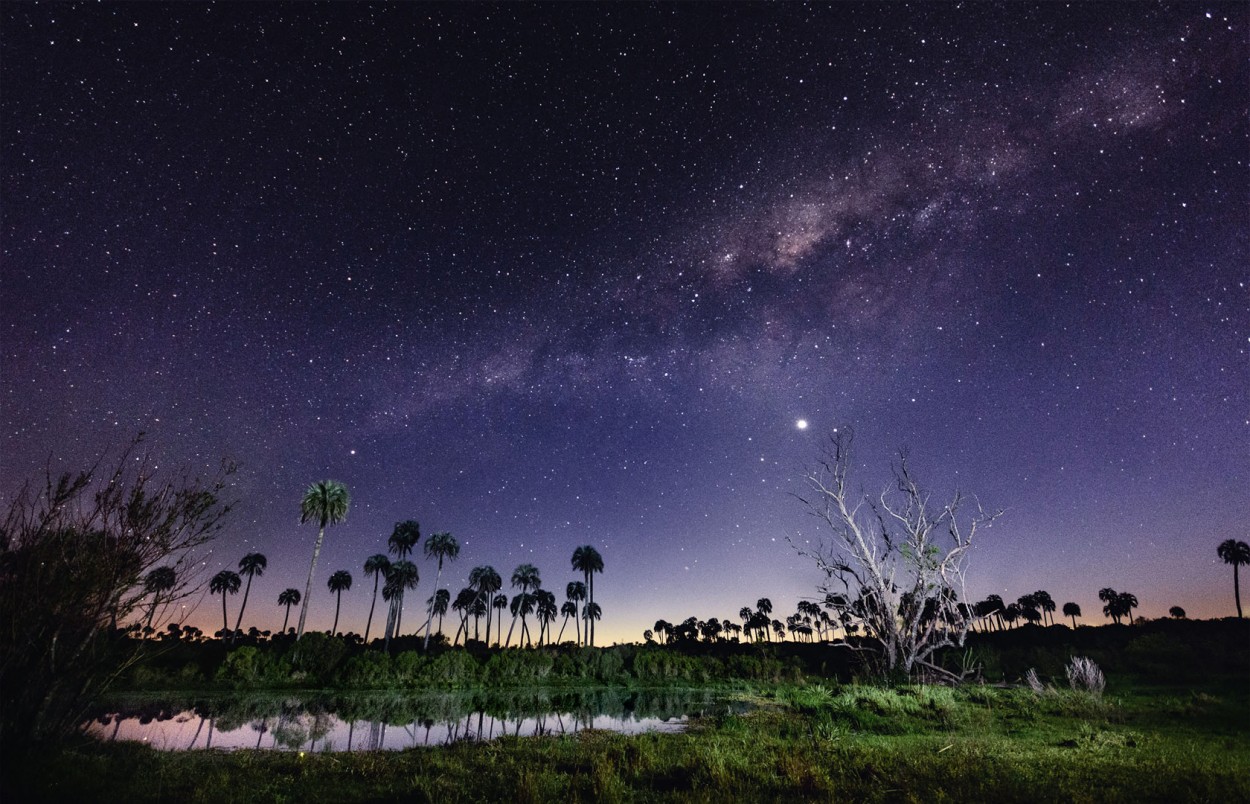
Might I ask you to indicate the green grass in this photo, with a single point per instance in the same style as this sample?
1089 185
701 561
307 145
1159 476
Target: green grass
831 742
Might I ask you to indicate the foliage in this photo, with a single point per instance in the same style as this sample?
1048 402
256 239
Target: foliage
75 552
1084 674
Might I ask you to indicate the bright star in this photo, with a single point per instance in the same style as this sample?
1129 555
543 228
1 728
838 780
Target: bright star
801 424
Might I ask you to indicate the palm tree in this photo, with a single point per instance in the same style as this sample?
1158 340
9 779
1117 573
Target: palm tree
575 593
545 608
462 604
745 613
593 613
326 503
375 565
223 582
250 565
763 608
1177 612
401 576
525 577
1235 553
440 600
440 546
1108 596
158 581
499 604
1010 614
1046 603
288 598
404 539
569 610
486 581
587 560
1072 610
338 582
1127 601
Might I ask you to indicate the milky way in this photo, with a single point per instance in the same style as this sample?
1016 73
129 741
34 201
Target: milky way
570 274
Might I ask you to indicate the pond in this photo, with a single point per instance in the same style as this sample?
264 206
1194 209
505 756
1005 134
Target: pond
393 720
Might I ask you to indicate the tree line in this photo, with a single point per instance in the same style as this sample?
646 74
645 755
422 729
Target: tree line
395 575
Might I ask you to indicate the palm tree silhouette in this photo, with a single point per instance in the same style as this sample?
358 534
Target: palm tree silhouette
337 583
1235 553
586 559
525 577
221 583
462 604
569 610
325 503
764 608
545 608
1072 610
745 614
402 576
440 600
486 581
158 581
1177 612
1126 601
440 546
375 565
1046 604
250 565
1108 596
499 605
288 598
575 593
404 538
1010 614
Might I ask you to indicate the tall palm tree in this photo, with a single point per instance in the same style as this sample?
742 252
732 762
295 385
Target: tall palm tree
1235 553
404 539
1010 614
763 608
486 581
745 613
522 606
545 608
375 565
288 598
440 546
1072 610
575 593
339 581
221 583
440 600
402 576
569 610
250 565
593 613
499 605
525 577
461 605
325 503
587 560
158 581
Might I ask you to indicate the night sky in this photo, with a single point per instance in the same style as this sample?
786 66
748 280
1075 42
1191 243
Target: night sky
573 274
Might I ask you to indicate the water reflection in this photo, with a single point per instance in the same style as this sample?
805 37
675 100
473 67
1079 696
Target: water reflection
390 721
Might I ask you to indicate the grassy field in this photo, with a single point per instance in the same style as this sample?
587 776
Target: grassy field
833 742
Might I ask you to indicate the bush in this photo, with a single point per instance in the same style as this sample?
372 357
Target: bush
1084 675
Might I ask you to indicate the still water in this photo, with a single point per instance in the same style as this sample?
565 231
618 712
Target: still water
392 721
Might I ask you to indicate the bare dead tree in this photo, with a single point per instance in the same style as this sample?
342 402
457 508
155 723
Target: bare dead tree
895 563
74 552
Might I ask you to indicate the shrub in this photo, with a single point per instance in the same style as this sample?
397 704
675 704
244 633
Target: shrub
1084 675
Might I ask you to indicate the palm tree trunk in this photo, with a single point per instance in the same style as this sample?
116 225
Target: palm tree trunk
287 617
225 621
509 642
430 618
239 621
563 625
590 621
303 612
577 625
369 622
337 604
1073 616
1237 589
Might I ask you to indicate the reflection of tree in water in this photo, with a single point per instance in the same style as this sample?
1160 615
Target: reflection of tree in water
294 722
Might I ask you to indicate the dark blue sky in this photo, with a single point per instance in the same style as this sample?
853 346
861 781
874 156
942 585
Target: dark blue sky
567 274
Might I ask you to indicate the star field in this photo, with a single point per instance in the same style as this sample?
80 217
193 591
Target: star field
544 276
